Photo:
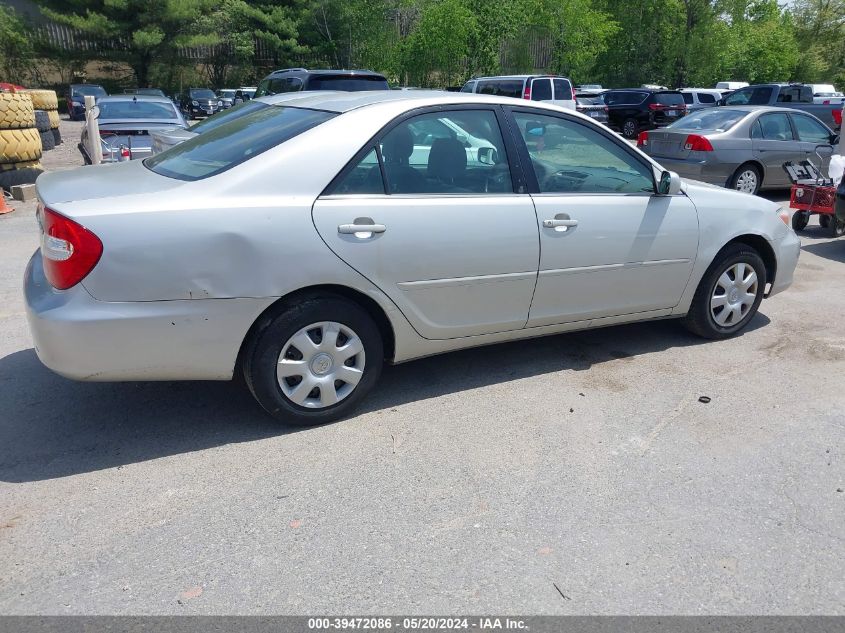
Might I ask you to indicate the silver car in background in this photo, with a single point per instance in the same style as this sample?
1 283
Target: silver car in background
739 147
126 123
306 243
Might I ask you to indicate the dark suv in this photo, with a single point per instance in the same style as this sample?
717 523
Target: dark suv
296 79
75 98
632 111
200 102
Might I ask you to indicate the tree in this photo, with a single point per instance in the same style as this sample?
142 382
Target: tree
16 51
138 32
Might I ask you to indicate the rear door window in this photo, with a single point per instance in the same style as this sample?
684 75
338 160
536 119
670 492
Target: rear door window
775 127
688 98
347 83
541 90
563 90
501 87
237 141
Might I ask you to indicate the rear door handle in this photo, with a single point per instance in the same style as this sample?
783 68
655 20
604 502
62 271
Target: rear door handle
362 228
565 224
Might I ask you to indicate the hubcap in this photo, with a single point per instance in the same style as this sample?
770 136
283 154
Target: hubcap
630 128
747 182
321 365
733 295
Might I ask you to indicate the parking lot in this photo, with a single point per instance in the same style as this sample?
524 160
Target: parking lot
574 474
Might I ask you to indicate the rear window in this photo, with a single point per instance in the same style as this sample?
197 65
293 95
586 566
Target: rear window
541 90
235 142
501 87
750 96
142 110
669 98
346 83
88 91
563 89
712 119
221 118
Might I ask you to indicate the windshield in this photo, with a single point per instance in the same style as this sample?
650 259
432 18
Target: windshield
89 91
712 119
229 94
144 110
347 83
221 118
203 93
235 142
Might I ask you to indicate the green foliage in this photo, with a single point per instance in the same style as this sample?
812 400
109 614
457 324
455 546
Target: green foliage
444 42
16 53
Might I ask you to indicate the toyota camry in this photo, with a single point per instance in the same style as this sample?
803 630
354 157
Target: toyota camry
306 243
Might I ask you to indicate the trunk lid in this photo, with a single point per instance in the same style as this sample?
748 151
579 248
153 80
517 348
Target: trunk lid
663 143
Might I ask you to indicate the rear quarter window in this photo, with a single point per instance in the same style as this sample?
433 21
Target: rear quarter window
235 142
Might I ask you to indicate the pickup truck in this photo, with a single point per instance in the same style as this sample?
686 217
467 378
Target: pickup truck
795 96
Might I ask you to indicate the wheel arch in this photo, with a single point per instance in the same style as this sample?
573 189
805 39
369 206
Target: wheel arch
762 246
366 302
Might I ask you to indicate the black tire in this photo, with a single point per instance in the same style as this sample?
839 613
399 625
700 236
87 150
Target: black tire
836 227
699 320
57 136
824 220
47 141
800 220
13 177
262 352
42 121
733 183
630 128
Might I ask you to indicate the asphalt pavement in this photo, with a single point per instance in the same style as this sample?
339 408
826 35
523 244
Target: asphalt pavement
574 474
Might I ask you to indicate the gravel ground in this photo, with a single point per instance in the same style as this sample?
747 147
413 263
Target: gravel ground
573 474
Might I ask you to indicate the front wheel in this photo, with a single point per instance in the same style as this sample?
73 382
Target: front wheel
729 293
314 361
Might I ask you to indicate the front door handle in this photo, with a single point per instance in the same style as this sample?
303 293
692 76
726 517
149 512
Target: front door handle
362 228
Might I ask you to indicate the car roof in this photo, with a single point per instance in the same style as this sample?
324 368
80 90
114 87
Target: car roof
85 86
134 97
535 75
340 102
328 71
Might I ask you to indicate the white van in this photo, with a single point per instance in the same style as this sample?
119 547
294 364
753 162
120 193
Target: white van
700 98
548 88
731 85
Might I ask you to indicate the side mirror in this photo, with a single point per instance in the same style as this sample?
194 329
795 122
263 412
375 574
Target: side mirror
95 112
487 155
824 151
670 184
834 139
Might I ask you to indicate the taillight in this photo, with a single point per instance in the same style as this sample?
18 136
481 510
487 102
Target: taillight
573 94
837 117
125 153
655 106
526 93
69 251
642 139
696 143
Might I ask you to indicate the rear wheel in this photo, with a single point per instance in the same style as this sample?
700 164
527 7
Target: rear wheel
824 221
314 361
729 293
630 128
836 227
747 179
800 220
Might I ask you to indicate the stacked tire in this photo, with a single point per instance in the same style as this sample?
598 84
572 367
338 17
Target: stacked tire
48 102
20 141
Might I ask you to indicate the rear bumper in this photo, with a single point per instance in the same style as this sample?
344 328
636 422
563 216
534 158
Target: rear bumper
787 251
81 338
709 172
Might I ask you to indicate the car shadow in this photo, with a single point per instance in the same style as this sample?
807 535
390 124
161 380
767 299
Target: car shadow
833 249
53 427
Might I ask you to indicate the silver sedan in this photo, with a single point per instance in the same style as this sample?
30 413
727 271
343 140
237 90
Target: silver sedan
306 243
739 147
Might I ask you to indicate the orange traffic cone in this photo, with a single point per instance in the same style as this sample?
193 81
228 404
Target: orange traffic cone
4 208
